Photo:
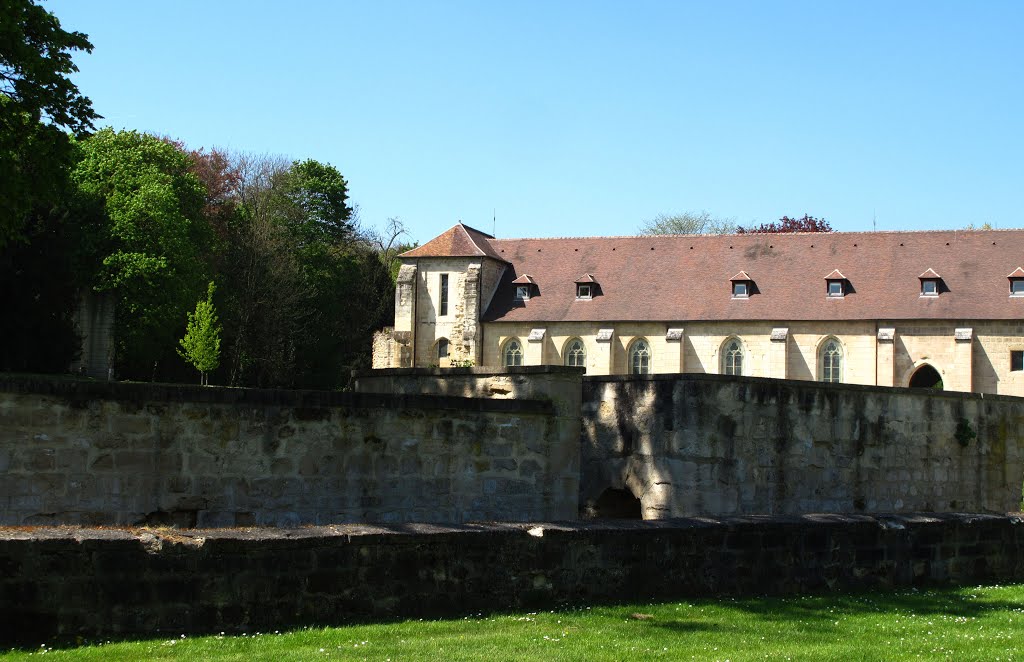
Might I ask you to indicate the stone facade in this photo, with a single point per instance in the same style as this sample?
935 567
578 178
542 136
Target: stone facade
112 583
110 453
968 353
700 444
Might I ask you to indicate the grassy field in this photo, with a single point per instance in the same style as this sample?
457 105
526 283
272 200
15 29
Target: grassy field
981 623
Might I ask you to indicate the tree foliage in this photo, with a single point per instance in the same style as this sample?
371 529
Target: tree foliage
201 345
689 223
787 224
153 239
38 104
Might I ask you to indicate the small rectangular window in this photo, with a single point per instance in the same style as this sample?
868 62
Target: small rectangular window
443 308
929 288
1016 360
522 292
835 288
1017 287
739 290
584 292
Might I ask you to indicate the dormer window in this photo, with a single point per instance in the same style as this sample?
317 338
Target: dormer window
1017 282
525 287
930 283
835 284
586 286
742 285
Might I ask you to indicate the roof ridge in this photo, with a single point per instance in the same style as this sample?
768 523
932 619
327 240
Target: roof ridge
759 234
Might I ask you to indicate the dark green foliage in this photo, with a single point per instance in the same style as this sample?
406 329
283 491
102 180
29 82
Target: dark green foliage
38 103
964 433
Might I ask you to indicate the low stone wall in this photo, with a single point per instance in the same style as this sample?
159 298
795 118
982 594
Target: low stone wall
709 444
67 583
76 452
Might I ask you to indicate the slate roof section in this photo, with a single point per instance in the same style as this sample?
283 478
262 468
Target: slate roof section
459 241
682 278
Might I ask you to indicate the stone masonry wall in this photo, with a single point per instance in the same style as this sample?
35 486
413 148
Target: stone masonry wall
707 444
114 583
74 452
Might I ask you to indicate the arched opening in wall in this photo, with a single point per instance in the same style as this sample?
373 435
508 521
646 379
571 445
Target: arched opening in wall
613 504
926 377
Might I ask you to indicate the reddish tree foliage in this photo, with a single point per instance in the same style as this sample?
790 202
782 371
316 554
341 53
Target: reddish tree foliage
787 224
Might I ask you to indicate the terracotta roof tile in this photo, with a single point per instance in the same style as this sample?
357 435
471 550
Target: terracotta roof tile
586 278
1017 273
687 277
459 241
525 279
929 274
835 275
741 276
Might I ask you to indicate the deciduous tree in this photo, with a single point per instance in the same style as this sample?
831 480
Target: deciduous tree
38 104
787 224
201 345
689 223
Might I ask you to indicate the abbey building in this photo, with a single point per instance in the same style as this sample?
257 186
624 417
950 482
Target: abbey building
936 308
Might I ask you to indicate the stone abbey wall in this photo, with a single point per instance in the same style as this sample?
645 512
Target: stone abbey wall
708 444
471 444
75 452
68 583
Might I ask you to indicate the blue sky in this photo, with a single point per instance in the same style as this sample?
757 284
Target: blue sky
587 118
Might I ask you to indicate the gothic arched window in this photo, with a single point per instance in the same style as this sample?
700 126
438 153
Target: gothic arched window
640 358
732 357
575 353
513 354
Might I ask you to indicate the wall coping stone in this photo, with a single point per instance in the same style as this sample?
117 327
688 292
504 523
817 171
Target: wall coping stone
398 533
482 371
798 383
83 391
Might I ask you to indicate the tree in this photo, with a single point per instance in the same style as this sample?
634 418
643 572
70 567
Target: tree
787 224
689 223
201 344
153 241
38 103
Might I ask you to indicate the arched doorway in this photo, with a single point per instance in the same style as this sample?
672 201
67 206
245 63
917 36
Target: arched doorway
926 377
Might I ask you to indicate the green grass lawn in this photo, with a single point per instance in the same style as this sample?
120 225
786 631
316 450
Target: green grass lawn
981 623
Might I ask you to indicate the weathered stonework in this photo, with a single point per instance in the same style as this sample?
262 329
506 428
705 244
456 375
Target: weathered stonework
701 444
110 453
90 583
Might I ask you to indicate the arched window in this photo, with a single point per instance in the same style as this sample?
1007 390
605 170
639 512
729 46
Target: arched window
732 357
442 349
513 354
831 361
575 353
640 358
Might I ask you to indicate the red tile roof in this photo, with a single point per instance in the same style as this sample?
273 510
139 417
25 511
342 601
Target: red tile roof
928 275
741 276
459 241
835 275
1017 273
686 277
524 280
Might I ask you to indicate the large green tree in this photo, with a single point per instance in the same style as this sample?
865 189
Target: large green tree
38 106
154 239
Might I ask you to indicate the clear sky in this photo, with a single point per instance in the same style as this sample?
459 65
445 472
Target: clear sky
587 118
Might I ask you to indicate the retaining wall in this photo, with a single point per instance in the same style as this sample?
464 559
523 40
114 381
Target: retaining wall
67 583
75 452
710 444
